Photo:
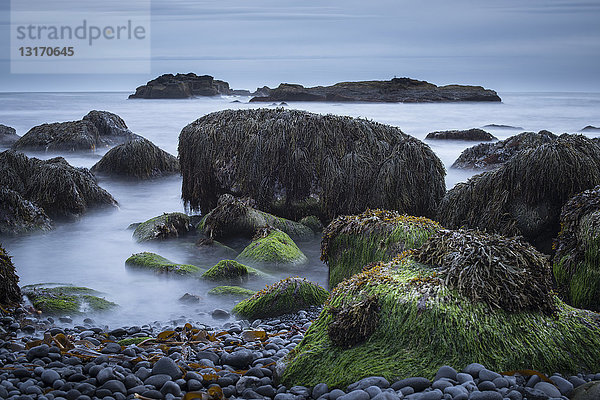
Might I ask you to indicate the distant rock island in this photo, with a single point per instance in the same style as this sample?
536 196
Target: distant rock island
396 90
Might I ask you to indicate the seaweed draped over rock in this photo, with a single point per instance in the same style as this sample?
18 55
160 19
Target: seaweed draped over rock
295 163
525 195
577 259
10 293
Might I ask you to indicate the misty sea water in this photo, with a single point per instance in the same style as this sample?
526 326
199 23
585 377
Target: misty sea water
92 250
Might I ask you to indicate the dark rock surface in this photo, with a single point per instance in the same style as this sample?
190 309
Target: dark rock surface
590 128
501 126
395 90
19 215
8 135
478 135
110 126
181 86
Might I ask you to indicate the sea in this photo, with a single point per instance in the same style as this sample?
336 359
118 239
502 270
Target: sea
92 250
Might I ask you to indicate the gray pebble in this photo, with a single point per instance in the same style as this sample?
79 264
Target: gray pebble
486 385
533 380
319 390
38 352
441 384
172 388
549 389
167 366
386 396
487 395
105 375
378 381
114 386
157 380
487 375
266 390
238 359
111 348
445 372
514 395
563 385
457 392
373 391
433 395
50 376
357 394
284 396
473 369
335 394
501 382
417 383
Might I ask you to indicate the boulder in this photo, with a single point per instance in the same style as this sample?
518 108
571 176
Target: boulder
166 226
214 248
395 90
295 163
525 195
286 296
478 135
492 155
181 86
53 185
56 299
111 127
139 158
230 270
160 265
313 222
272 246
587 391
236 217
590 128
10 293
8 135
577 258
61 136
233 291
502 126
407 318
19 215
353 241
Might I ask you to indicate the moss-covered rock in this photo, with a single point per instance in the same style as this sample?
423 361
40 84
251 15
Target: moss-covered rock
10 293
66 299
236 217
286 296
404 319
166 226
577 259
213 247
233 291
272 246
351 242
230 270
160 265
313 222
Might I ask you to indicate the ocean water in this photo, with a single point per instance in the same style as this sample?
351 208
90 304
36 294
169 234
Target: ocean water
92 250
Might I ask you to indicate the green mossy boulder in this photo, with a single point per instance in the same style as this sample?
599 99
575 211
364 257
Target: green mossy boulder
160 265
404 318
166 226
230 270
10 293
577 259
55 299
272 246
286 296
236 217
351 242
233 291
313 222
214 248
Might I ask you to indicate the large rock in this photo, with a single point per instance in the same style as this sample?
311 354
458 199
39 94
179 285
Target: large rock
230 271
111 128
61 190
159 265
55 299
525 195
10 293
351 242
286 296
166 226
19 215
294 163
231 291
138 158
492 155
478 135
180 86
406 319
272 246
236 217
394 90
8 135
577 258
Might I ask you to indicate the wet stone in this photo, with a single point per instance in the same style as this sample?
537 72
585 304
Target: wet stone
356 395
488 395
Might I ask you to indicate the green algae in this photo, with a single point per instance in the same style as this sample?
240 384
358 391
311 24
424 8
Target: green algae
130 341
272 246
159 264
286 296
233 291
231 270
424 325
166 226
60 299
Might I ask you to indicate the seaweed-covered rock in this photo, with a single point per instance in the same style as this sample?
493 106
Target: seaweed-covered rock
181 86
8 135
286 296
295 163
236 217
590 128
404 319
313 222
215 248
61 136
233 291
272 246
10 293
230 270
475 134
351 242
60 189
19 215
66 299
111 128
492 155
166 226
160 265
138 158
577 259
525 195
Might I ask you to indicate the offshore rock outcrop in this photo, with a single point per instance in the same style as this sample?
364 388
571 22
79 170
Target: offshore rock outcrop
475 135
8 135
181 86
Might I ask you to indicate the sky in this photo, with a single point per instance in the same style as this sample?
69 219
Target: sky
505 45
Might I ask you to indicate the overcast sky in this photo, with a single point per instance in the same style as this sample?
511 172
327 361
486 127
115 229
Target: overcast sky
507 45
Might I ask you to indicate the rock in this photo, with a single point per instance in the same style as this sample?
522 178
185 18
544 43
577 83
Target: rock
356 395
565 387
313 222
111 127
19 215
166 226
487 375
160 265
353 241
157 380
319 390
181 86
235 217
576 261
8 135
220 314
487 395
286 296
37 352
377 169
190 298
446 372
364 383
61 136
167 366
500 126
272 246
240 359
474 134
525 195
590 128
138 158
492 155
395 90
114 386
232 271
410 295
171 388
111 348
417 383
10 293
49 376
474 369
214 249
589 391
56 299
233 291
549 389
